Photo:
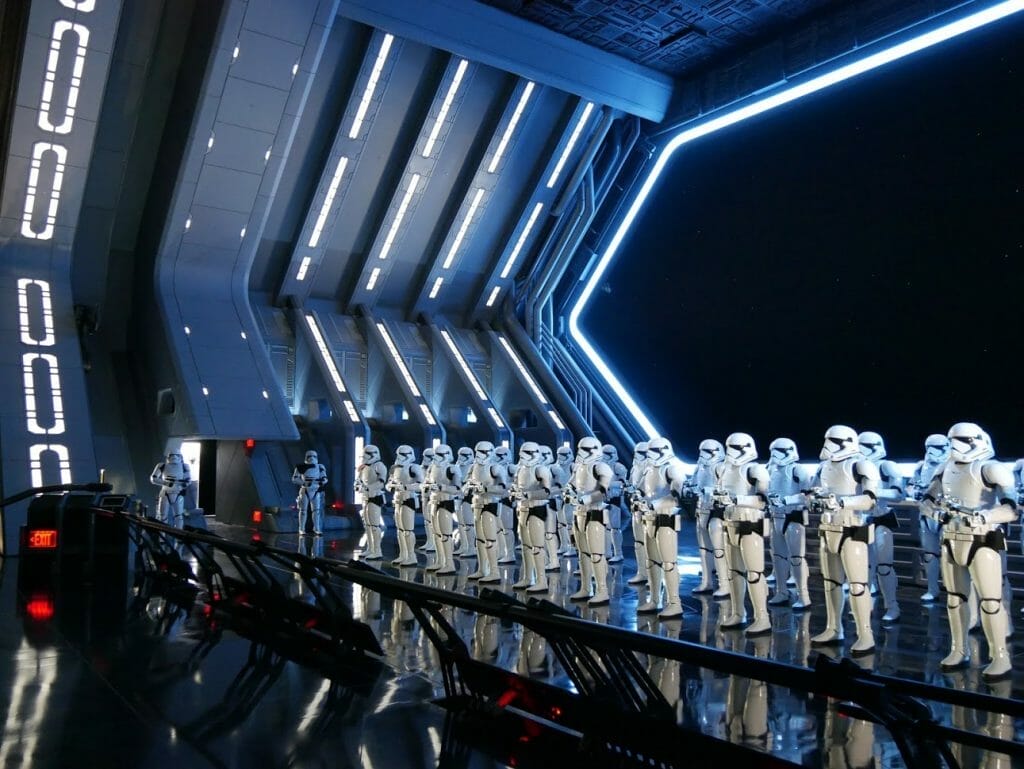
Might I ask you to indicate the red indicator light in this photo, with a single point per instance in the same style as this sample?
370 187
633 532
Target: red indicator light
337 505
39 608
250 443
42 539
257 516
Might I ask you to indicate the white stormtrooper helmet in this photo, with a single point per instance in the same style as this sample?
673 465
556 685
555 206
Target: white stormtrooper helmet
483 452
709 452
311 458
588 450
740 449
529 454
174 458
640 451
611 455
405 455
502 455
428 457
783 452
936 449
546 456
840 443
968 442
871 446
659 451
465 455
564 455
443 454
371 454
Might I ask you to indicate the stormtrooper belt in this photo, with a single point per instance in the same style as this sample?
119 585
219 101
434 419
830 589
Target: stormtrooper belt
716 512
490 507
994 540
446 504
794 516
412 503
595 516
856 533
747 527
662 520
377 500
538 511
889 520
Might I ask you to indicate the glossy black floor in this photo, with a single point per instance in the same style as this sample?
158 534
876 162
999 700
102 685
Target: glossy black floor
111 682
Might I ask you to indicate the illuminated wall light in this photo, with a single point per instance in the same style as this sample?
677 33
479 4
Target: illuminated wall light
209 143
374 274
266 395
471 417
325 354
505 444
266 155
350 407
61 156
242 334
82 6
187 330
295 69
427 415
522 369
494 415
51 375
554 418
303 267
494 295
414 180
188 222
712 123
464 365
234 53
437 287
445 106
371 86
511 127
35 460
357 447
325 207
389 343
206 391
60 32
463 227
572 143
522 240
24 315
242 233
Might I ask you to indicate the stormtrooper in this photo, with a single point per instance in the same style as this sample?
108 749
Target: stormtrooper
971 495
487 482
936 452
587 492
173 476
843 491
565 512
530 491
311 478
404 481
371 476
429 545
710 519
890 489
506 524
554 499
741 486
442 482
636 472
619 478
467 529
789 522
657 497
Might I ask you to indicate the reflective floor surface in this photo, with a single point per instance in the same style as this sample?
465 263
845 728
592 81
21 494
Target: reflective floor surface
94 680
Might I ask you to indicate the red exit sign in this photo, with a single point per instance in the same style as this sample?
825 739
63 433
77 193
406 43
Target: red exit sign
42 539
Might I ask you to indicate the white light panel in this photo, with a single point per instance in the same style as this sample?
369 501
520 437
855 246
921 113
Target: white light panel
427 415
510 129
466 220
464 365
303 268
573 137
494 295
494 415
61 29
45 309
350 407
60 159
374 274
371 85
436 287
398 359
521 240
414 180
325 355
453 89
51 375
325 207
522 369
554 418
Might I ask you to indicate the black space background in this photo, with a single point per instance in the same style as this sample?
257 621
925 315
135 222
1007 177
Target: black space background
854 258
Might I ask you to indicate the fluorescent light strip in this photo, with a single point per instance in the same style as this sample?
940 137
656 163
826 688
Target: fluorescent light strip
303 267
398 359
61 153
464 366
427 415
325 354
522 239
445 106
60 29
732 117
571 144
554 418
350 407
46 307
371 86
357 452
52 373
494 415
373 279
35 459
522 370
325 207
402 208
463 227
437 287
494 295
511 127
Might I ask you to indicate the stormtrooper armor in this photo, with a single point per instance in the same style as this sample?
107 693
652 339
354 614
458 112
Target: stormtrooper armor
554 498
615 493
311 478
430 545
173 477
587 492
636 472
371 476
890 489
467 528
741 484
970 495
787 478
564 460
936 452
487 482
506 524
843 491
657 497
530 492
443 480
710 518
404 481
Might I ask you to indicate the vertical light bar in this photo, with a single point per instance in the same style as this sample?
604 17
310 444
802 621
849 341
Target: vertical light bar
358 445
325 207
325 354
60 30
52 374
414 180
494 415
437 287
571 143
371 86
374 274
470 213
521 240
303 267
61 157
427 415
511 127
445 106
494 295
398 359
46 307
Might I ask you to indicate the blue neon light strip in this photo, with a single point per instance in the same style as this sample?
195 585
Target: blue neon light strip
711 124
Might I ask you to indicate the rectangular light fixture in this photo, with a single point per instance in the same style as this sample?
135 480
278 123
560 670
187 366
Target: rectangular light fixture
522 370
445 107
554 418
494 295
494 415
466 220
325 207
28 337
521 240
325 354
374 274
464 366
570 144
350 407
303 267
437 287
414 180
389 343
371 86
357 458
511 127
427 415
